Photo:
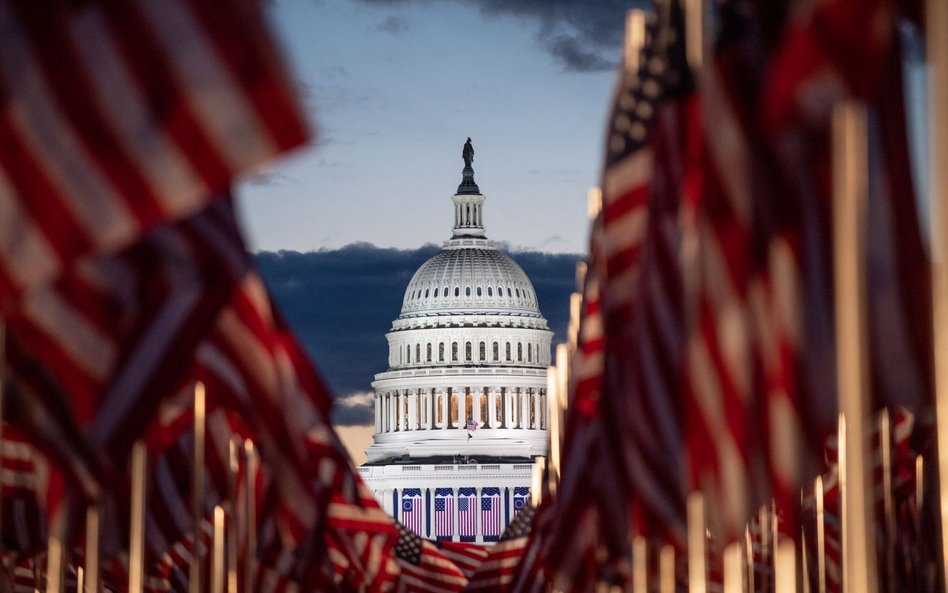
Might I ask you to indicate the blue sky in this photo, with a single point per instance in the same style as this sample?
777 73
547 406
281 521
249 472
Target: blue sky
395 87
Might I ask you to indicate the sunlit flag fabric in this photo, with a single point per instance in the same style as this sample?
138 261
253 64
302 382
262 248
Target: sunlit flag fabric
465 555
117 117
251 363
444 513
490 513
645 181
467 514
424 568
361 538
412 509
496 572
92 355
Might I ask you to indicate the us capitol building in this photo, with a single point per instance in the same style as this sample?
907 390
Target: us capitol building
461 411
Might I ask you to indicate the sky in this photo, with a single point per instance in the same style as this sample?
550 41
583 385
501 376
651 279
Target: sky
394 88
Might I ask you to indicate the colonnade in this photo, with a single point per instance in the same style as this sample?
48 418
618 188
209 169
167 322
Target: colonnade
391 500
450 408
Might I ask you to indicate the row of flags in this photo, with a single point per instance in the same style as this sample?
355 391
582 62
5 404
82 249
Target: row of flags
702 413
134 321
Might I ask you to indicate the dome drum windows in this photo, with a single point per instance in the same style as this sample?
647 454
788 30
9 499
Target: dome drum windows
483 352
467 352
441 352
428 352
454 351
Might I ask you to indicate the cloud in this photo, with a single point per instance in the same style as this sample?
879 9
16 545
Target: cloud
341 303
393 24
354 409
272 179
583 36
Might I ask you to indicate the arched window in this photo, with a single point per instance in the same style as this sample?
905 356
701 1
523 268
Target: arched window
428 348
508 292
467 352
517 290
508 351
467 291
478 291
519 352
441 352
529 352
436 293
426 292
408 354
454 351
483 352
445 291
496 351
417 352
490 291
457 291
500 291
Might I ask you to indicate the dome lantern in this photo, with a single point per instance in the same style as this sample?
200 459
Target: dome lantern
468 201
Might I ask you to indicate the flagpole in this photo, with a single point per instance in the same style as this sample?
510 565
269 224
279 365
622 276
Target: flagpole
888 503
697 545
91 569
217 554
820 534
250 513
232 506
936 31
553 405
136 536
749 558
666 569
850 156
733 568
197 487
639 565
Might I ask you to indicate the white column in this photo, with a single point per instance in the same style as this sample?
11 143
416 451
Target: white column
476 405
412 411
393 411
385 412
537 417
445 416
478 519
506 405
461 417
492 408
524 409
378 414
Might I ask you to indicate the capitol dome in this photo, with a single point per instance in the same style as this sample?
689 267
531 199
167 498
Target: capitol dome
469 345
461 411
470 275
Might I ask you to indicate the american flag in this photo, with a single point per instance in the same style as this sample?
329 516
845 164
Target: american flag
93 354
424 568
119 117
467 514
651 149
490 513
496 572
465 555
412 509
444 513
521 498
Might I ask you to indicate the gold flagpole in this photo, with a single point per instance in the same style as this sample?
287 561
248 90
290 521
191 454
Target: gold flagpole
936 32
733 568
888 503
91 569
850 156
197 485
232 506
697 552
136 536
553 407
749 558
820 535
666 569
785 565
639 565
250 516
217 554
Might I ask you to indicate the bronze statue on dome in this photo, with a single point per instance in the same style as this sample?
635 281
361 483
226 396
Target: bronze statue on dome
468 153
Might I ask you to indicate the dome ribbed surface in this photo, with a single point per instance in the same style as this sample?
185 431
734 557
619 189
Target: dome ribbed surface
479 279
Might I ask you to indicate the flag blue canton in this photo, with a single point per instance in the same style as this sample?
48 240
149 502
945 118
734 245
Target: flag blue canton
407 505
462 504
487 504
439 504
